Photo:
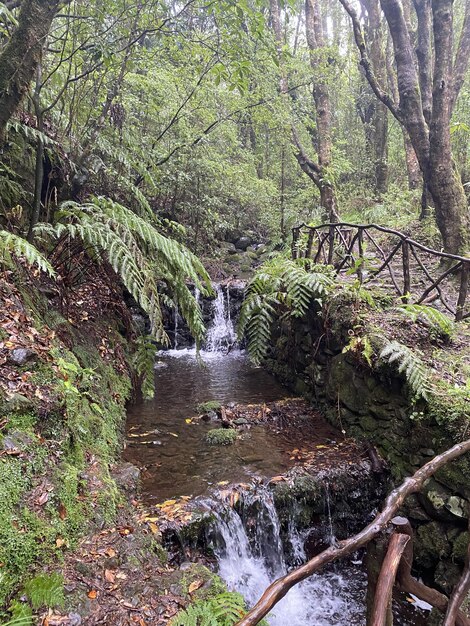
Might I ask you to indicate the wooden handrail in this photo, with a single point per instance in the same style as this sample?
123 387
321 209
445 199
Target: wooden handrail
342 244
390 231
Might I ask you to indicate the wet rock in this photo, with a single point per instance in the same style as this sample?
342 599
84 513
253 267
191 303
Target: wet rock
240 421
127 476
243 243
431 544
447 575
140 322
21 356
18 402
17 440
228 247
441 503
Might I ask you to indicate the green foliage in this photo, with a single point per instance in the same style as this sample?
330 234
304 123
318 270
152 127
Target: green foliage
221 437
45 590
140 255
360 345
409 364
225 609
439 323
11 244
25 620
210 405
144 362
284 287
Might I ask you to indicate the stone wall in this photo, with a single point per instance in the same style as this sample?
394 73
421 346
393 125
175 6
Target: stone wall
372 404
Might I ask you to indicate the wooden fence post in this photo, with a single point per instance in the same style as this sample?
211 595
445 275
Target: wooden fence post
360 247
406 270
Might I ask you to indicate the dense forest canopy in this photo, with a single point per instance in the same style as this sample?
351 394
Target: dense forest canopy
223 116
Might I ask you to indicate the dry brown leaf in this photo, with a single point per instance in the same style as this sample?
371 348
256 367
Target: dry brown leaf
109 576
195 585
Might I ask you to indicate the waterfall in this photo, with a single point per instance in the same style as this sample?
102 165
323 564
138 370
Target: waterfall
250 554
175 340
221 335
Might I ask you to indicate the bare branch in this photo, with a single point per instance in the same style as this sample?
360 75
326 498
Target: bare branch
461 58
366 64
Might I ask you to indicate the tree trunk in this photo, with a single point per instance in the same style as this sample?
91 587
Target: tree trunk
415 178
22 54
315 41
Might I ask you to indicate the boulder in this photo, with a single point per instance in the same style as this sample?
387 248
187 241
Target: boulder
243 243
127 476
20 356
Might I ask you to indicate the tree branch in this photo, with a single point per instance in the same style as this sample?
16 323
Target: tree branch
278 589
366 64
461 58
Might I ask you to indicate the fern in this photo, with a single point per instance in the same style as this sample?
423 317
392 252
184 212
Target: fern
411 365
281 285
25 620
11 244
45 590
225 609
144 361
140 255
437 321
29 133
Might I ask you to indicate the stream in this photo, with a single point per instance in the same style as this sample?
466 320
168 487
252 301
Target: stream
248 541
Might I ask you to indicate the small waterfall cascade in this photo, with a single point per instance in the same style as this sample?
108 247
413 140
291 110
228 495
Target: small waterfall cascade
250 553
221 335
175 340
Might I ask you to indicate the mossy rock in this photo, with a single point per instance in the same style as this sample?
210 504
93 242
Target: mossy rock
221 437
211 405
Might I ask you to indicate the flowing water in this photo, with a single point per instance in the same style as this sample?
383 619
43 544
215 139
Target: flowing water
248 541
250 555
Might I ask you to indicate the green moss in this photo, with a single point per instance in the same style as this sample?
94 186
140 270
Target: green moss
211 405
221 437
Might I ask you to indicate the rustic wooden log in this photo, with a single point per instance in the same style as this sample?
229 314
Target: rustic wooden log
278 589
382 606
373 561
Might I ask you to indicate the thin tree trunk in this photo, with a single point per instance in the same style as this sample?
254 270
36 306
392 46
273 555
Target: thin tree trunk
22 54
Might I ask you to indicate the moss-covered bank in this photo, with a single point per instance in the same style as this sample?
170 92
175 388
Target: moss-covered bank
63 387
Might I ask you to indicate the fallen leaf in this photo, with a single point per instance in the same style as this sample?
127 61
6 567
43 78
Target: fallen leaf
111 552
154 528
109 576
92 594
195 585
59 542
43 498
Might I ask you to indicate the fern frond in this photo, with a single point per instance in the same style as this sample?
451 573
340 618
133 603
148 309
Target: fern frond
140 255
26 620
29 133
144 361
409 364
225 609
281 286
11 244
439 322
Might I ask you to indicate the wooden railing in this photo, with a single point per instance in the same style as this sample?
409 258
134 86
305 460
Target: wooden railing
386 257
